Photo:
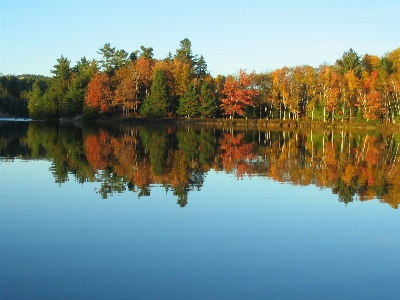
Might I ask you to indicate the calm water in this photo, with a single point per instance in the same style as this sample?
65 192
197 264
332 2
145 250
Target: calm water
186 213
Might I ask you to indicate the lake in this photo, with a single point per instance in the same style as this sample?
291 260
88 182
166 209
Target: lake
144 212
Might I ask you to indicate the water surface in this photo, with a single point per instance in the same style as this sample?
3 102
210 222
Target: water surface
195 213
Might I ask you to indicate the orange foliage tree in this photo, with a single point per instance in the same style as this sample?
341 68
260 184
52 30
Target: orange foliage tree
99 94
239 93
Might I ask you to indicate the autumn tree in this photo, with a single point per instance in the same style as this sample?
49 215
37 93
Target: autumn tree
143 76
99 96
280 92
263 82
394 83
239 93
328 89
126 94
183 76
373 106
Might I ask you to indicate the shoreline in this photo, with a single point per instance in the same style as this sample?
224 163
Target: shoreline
249 123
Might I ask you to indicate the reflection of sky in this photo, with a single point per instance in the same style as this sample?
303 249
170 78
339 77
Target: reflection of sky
236 239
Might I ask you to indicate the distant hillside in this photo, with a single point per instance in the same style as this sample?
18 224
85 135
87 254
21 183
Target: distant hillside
31 76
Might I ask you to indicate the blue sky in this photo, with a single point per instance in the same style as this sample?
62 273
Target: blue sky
231 35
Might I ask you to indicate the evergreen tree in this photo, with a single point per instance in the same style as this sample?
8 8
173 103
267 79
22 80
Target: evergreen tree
82 73
184 53
56 93
208 106
200 68
146 52
156 104
35 101
349 61
189 103
50 103
112 59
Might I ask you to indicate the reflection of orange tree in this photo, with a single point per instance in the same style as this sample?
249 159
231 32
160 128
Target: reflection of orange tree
236 156
352 165
179 177
97 150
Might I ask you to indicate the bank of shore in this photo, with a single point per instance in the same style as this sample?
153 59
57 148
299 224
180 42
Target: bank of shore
257 124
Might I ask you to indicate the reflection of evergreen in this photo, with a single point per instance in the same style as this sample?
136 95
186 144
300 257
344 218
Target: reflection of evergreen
144 191
110 183
182 193
345 192
59 171
10 135
155 142
61 144
207 148
188 142
197 180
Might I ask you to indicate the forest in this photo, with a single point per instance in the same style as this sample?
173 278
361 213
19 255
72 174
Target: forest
354 89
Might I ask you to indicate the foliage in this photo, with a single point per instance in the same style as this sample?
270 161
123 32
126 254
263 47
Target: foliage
208 106
350 61
189 104
99 93
112 59
239 93
156 104
358 89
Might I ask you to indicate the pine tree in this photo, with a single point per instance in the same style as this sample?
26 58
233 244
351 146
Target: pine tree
189 103
82 74
35 101
156 104
349 61
208 106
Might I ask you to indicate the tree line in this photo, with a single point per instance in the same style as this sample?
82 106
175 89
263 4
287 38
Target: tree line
14 93
353 89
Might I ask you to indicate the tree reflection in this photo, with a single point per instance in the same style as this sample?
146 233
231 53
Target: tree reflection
355 165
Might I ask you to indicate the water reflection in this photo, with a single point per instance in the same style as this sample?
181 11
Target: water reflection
354 165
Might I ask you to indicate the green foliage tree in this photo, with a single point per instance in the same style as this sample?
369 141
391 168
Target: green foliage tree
200 67
14 93
82 74
189 103
112 59
184 53
146 52
35 101
3 91
55 95
134 55
156 104
208 105
350 61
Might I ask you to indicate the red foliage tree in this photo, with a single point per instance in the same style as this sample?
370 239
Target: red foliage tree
239 93
99 93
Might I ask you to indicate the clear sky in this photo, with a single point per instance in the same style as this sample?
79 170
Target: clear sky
231 35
